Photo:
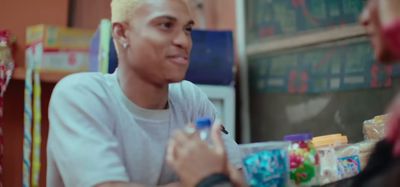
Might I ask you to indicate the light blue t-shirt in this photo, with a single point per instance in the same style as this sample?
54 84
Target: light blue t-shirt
97 134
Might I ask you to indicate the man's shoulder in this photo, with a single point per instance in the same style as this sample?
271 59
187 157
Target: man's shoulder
183 88
186 92
81 83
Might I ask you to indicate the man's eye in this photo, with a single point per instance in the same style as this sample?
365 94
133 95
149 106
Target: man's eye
167 25
189 29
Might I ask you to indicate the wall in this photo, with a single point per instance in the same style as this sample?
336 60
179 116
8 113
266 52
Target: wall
16 15
276 115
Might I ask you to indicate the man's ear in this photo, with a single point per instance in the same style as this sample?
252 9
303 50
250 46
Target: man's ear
119 33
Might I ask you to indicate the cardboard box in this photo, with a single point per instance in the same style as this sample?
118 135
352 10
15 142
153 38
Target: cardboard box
59 38
58 49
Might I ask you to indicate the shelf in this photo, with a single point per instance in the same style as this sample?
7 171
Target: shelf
306 39
45 76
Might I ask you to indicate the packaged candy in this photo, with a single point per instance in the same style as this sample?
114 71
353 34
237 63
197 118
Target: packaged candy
325 146
328 165
348 161
329 140
303 159
365 148
266 164
374 129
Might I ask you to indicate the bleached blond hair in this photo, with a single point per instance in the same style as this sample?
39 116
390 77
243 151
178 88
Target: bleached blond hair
121 10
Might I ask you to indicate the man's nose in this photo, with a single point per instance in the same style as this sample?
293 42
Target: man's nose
183 40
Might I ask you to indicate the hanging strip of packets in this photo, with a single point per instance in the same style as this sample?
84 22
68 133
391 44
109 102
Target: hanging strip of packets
32 114
6 69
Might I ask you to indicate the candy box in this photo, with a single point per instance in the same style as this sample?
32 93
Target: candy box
59 49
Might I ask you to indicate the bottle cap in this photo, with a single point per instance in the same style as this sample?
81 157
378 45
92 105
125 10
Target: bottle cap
203 123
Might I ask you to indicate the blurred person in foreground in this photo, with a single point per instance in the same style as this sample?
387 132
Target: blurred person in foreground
381 18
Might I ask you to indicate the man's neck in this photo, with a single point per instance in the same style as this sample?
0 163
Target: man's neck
142 93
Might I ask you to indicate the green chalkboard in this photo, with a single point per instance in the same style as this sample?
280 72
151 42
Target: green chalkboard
267 19
336 66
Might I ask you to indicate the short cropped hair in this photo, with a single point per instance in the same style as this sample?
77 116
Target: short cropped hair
121 10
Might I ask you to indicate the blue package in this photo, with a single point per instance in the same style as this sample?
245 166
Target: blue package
267 168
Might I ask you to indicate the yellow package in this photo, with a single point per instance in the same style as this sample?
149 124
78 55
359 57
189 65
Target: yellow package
59 38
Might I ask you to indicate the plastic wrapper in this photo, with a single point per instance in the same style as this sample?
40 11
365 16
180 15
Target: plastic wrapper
266 164
328 165
374 129
365 150
348 161
304 160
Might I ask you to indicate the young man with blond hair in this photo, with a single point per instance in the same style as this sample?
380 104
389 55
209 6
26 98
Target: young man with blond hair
113 129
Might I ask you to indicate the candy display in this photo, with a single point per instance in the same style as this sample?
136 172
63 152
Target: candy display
266 164
304 160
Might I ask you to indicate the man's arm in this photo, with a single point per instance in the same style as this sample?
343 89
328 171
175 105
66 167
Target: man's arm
81 141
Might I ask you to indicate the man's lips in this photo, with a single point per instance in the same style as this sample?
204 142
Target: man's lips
179 59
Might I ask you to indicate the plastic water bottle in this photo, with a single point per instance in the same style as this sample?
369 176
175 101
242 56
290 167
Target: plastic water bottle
203 126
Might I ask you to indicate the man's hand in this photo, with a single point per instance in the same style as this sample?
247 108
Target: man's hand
193 159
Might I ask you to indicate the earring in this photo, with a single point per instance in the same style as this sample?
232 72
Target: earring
125 45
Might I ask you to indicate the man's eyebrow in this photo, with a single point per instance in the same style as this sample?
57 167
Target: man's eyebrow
172 18
191 23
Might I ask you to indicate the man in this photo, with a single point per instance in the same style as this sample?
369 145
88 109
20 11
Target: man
112 130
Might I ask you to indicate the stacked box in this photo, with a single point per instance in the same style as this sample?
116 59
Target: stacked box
59 48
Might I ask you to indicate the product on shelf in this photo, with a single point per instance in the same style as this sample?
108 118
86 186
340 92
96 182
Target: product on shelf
328 165
329 140
304 160
365 148
325 146
348 161
374 129
266 164
59 48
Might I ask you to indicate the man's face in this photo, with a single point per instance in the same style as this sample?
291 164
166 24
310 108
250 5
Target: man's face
159 37
371 21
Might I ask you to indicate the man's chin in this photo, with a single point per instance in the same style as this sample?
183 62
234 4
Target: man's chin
176 79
